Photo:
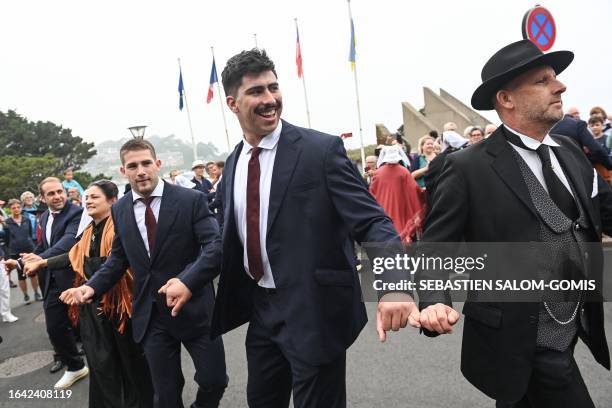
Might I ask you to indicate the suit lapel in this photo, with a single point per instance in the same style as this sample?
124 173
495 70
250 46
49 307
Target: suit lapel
571 169
506 167
167 214
43 227
228 189
287 154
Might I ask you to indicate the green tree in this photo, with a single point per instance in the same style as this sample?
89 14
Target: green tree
18 174
85 179
31 151
20 137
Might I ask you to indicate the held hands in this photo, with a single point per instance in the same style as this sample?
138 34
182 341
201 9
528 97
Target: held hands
30 268
439 318
10 264
177 294
26 258
395 311
77 296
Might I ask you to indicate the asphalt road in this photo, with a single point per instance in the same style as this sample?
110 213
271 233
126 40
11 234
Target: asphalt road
409 370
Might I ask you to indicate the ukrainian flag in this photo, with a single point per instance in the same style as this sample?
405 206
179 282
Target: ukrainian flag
352 51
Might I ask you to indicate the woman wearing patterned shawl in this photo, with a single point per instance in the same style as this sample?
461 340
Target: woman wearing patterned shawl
119 375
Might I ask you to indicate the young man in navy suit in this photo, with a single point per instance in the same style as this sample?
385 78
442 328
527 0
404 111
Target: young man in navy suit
170 240
292 205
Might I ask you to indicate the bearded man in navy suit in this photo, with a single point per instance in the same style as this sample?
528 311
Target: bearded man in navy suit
59 228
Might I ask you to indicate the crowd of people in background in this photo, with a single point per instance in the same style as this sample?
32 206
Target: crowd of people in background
405 197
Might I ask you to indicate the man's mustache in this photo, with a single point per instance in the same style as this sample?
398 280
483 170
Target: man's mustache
267 107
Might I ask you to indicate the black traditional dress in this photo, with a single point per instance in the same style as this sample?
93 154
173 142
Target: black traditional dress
119 375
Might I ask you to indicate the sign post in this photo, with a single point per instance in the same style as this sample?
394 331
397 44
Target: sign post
539 27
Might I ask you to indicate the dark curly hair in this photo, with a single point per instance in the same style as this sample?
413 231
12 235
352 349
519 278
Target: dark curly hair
254 61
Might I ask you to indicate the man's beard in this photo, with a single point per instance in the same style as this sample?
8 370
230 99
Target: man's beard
57 207
545 117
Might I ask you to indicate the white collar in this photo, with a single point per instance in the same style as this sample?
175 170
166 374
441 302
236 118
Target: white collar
531 142
157 191
268 142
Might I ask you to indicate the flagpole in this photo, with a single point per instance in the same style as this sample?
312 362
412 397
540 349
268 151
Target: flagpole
193 143
303 77
212 51
357 91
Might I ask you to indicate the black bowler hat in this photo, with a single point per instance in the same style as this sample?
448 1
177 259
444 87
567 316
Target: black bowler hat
510 62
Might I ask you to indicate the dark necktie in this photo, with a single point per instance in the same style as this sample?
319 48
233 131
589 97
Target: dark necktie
252 216
150 222
556 190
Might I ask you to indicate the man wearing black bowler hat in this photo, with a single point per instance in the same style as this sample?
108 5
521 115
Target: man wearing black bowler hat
538 188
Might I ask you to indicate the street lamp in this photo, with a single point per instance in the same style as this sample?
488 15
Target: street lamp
137 131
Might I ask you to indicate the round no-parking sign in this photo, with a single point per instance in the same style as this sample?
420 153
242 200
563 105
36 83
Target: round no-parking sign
539 27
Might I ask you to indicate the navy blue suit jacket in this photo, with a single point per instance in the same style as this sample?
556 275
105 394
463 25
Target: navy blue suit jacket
63 237
187 246
578 132
318 204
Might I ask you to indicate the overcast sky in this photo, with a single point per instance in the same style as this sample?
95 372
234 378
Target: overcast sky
101 67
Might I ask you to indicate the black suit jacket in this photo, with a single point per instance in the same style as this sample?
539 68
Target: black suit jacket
63 237
578 132
187 246
482 197
317 203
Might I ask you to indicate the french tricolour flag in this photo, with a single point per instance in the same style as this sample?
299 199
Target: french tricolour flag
213 80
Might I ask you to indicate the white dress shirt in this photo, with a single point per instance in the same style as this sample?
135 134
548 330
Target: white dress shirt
266 163
216 183
140 208
49 228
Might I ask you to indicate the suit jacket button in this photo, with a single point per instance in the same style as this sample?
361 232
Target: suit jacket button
576 226
533 319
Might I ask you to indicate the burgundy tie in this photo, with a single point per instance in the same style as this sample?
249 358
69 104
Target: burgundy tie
150 222
252 217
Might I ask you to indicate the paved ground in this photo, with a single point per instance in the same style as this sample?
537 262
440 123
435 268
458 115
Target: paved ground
408 371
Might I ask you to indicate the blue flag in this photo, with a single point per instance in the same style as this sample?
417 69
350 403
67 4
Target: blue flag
180 89
352 51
